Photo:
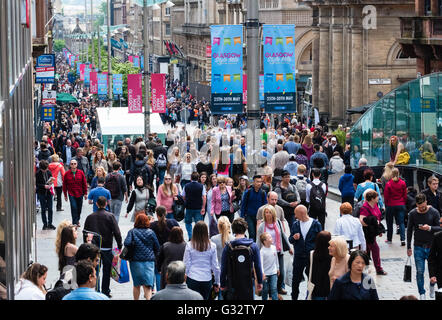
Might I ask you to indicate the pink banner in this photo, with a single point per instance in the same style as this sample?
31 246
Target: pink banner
82 67
158 81
94 83
131 59
135 93
244 88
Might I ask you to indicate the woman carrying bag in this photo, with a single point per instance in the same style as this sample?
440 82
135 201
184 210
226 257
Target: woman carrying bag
139 199
167 194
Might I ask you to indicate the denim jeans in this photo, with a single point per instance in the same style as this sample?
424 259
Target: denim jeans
76 206
269 286
398 212
45 204
161 174
192 216
115 208
202 287
420 255
170 216
251 222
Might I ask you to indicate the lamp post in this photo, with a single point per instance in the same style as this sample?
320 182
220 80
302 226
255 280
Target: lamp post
146 72
109 66
92 34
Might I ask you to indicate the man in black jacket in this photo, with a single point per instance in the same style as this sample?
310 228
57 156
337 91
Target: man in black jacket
104 223
435 262
434 197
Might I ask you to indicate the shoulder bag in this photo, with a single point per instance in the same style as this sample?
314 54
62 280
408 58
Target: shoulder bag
310 284
128 251
285 241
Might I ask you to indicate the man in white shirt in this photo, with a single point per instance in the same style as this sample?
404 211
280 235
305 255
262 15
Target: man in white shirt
350 227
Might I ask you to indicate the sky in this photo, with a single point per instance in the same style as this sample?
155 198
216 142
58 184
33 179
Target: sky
72 7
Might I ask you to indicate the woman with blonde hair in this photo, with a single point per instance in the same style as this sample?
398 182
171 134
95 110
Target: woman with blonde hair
64 223
174 164
338 249
386 175
167 193
308 146
273 226
99 172
223 237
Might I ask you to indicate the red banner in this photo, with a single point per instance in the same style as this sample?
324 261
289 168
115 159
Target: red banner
158 81
82 67
135 93
208 51
94 83
244 88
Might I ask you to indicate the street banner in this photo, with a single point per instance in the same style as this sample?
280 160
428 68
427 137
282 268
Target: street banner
158 81
142 62
208 51
131 59
78 68
94 83
117 84
244 88
82 68
102 86
261 87
45 69
136 61
47 112
227 69
87 76
279 68
135 93
49 97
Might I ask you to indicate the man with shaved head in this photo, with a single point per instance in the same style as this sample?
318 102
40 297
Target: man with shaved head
302 235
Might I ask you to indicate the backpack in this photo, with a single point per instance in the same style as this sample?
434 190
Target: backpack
58 292
317 199
113 185
141 171
162 161
357 209
239 273
301 185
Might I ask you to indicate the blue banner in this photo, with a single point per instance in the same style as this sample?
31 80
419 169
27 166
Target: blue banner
117 84
136 61
279 68
47 113
142 62
87 76
227 69
102 86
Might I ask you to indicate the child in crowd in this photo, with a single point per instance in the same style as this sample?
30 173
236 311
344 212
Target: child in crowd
270 267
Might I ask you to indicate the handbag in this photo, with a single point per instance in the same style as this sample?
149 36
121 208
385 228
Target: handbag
178 209
285 241
127 253
407 270
310 284
403 158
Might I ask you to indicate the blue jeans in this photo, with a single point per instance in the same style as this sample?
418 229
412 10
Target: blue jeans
202 287
76 206
251 222
269 286
420 255
45 204
398 212
115 208
192 215
161 174
170 216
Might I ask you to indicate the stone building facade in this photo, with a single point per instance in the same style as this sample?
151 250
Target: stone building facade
354 65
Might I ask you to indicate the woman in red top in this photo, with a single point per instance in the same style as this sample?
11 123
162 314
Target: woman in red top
395 196
370 217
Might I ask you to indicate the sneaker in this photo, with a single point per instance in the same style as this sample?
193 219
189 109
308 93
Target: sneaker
422 297
403 243
398 231
52 227
381 273
432 290
388 241
45 227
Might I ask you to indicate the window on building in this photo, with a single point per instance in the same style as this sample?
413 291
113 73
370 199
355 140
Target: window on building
269 4
401 55
167 31
167 13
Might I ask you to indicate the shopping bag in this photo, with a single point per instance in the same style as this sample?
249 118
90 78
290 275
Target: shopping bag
213 225
407 270
288 267
116 265
124 272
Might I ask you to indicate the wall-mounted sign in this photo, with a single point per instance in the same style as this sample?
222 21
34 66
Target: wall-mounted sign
379 81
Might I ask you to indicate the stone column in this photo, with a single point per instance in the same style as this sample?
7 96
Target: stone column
315 67
356 59
324 56
337 65
186 11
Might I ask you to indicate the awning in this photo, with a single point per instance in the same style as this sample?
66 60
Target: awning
360 109
303 78
63 97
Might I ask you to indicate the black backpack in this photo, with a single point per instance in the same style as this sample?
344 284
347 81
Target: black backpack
141 171
113 185
58 292
240 274
317 199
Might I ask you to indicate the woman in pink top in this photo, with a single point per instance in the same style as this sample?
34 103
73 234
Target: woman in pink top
223 165
308 146
370 217
222 197
167 193
395 197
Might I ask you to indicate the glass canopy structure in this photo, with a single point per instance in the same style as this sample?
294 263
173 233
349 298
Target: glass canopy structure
413 113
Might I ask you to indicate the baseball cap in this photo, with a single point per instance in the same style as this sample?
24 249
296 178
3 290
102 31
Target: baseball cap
292 156
333 139
244 178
